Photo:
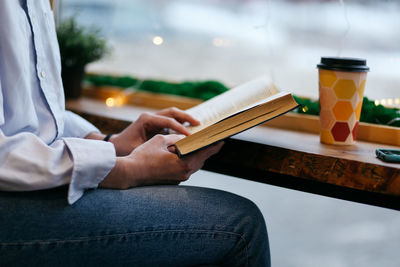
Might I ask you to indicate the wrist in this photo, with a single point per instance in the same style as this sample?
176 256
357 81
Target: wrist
113 139
107 137
95 136
117 178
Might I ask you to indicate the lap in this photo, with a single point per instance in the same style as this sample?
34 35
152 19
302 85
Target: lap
156 225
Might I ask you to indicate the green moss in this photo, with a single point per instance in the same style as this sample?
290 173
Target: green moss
370 112
308 106
99 80
202 90
208 89
379 114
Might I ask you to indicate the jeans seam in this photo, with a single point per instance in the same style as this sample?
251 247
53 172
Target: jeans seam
80 239
246 248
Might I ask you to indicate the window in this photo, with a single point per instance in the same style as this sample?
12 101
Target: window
236 40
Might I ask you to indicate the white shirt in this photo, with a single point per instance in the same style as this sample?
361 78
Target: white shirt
41 144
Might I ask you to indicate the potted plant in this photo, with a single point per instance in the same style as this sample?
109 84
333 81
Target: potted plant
78 47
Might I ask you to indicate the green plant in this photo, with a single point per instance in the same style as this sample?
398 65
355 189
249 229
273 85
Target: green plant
79 45
205 90
202 89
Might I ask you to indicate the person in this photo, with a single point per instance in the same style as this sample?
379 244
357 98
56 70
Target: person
70 198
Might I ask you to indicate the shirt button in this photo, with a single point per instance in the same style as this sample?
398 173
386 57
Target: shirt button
33 20
43 74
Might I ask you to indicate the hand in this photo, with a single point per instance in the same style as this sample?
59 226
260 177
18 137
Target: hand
154 163
147 126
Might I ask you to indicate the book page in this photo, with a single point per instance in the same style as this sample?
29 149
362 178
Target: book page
232 101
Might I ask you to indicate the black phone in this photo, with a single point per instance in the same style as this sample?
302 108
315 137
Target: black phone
388 155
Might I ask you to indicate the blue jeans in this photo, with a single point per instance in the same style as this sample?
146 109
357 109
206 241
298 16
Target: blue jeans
144 226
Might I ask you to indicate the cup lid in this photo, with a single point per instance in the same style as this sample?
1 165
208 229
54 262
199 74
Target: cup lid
343 64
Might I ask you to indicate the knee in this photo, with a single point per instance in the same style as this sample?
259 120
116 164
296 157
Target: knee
250 224
251 217
240 213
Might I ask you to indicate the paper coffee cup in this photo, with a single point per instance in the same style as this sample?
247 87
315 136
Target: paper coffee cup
341 91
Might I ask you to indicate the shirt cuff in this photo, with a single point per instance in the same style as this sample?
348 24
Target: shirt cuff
92 161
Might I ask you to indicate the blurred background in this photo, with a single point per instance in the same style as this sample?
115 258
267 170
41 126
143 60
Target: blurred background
233 41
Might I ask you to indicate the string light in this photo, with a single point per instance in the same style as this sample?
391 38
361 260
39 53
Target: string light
110 102
390 102
115 101
158 40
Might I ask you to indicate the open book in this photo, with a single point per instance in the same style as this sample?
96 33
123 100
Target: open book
235 111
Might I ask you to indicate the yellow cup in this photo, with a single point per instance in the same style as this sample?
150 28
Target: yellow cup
341 91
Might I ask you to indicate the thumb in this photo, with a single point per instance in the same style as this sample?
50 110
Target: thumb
172 139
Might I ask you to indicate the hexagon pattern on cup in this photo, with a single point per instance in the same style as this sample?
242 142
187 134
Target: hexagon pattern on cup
327 118
341 98
358 110
361 88
352 120
345 89
327 98
326 137
354 101
326 78
340 131
342 110
354 131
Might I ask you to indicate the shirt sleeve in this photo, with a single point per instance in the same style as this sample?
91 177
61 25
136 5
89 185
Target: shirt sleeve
76 126
92 161
27 163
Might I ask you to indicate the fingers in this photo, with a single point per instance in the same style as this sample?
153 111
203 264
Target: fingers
168 141
155 163
196 160
179 115
172 149
162 122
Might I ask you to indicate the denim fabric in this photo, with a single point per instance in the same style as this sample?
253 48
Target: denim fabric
145 226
